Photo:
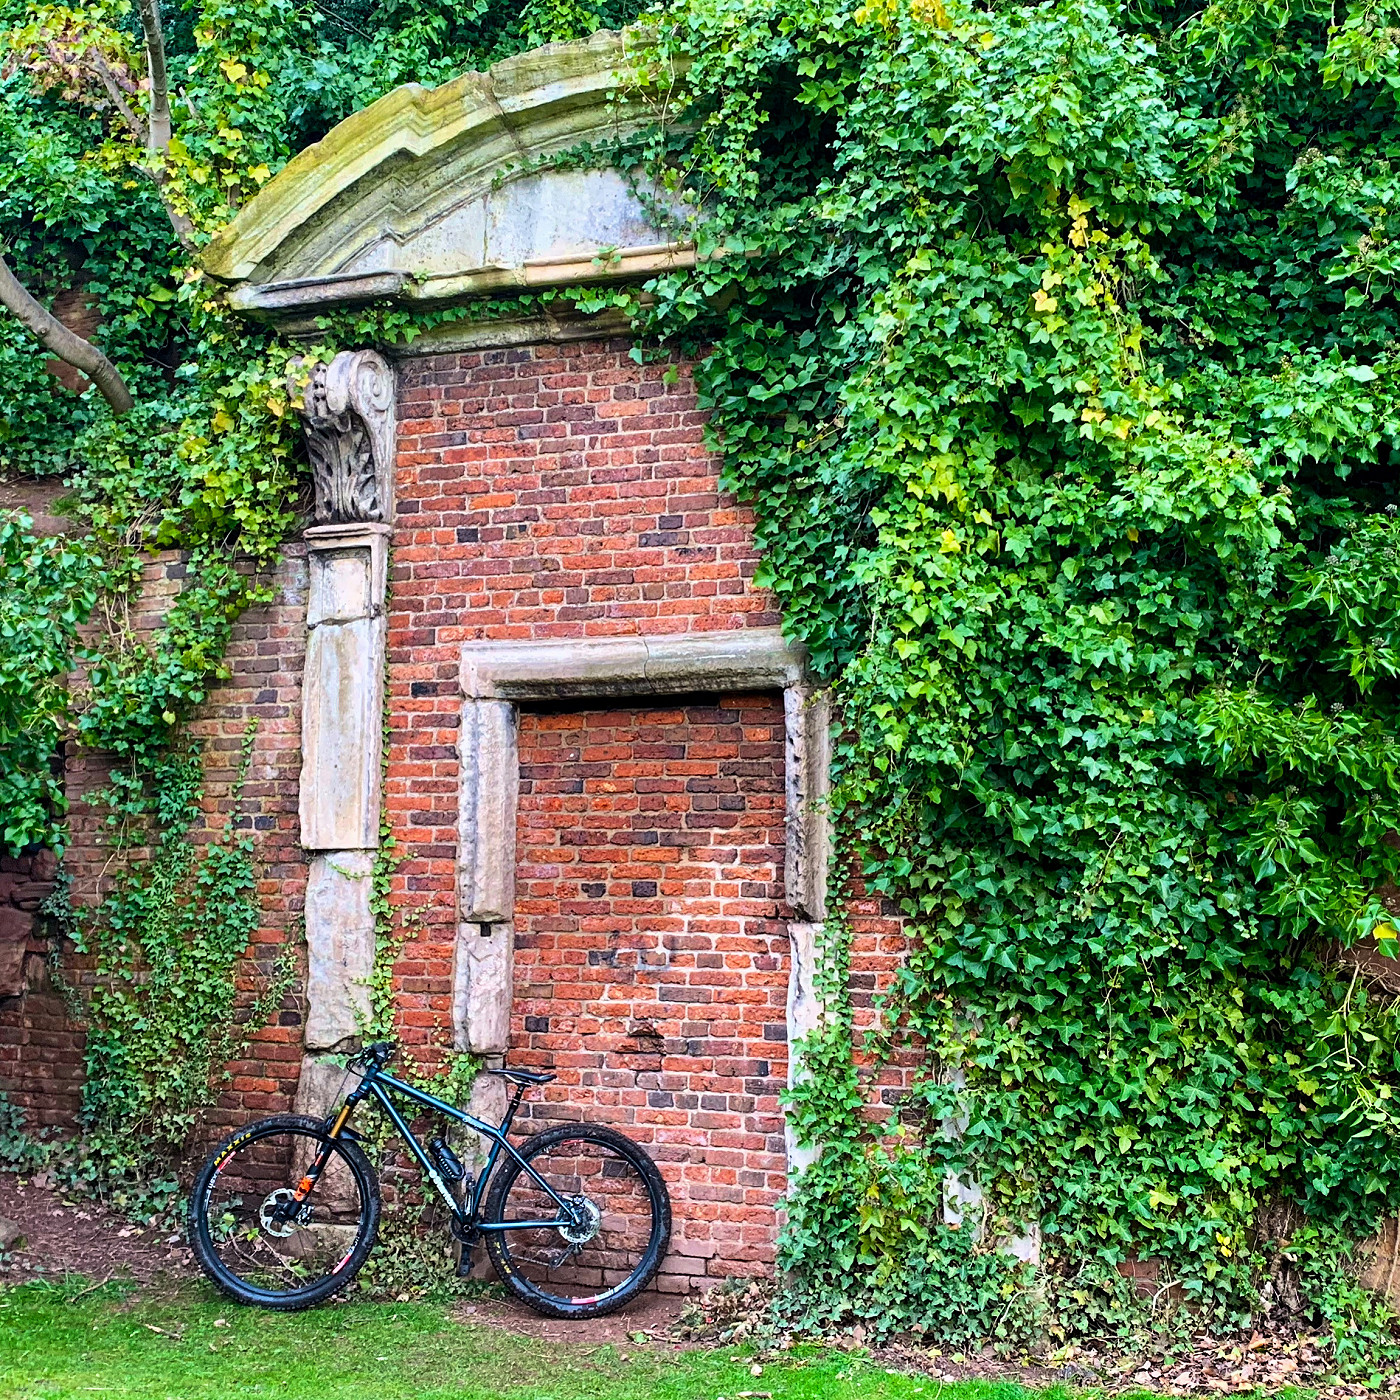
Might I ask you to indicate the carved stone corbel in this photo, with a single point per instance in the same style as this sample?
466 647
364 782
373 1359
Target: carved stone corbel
349 413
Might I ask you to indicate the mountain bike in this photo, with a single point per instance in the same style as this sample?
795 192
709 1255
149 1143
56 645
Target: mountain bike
286 1211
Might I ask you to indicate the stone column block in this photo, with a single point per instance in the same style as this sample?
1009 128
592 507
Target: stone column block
804 1014
490 788
807 781
320 1089
323 1083
483 983
342 735
340 948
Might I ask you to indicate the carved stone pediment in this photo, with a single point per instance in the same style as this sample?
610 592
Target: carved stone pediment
433 195
349 413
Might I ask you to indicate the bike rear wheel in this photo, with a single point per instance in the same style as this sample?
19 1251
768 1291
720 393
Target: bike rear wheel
617 1237
255 1242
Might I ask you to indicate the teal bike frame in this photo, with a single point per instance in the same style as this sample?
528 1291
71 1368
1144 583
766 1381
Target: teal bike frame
466 1214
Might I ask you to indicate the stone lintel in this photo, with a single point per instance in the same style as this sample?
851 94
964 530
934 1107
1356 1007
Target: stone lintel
753 658
277 300
508 332
340 948
483 984
302 293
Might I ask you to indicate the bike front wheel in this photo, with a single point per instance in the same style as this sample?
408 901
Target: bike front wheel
619 1221
256 1242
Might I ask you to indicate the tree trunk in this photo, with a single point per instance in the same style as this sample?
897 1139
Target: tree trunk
53 335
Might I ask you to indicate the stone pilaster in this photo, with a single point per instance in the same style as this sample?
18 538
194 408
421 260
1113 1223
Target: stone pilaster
349 413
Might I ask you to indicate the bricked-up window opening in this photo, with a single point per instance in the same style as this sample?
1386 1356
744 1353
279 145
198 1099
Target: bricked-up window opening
651 951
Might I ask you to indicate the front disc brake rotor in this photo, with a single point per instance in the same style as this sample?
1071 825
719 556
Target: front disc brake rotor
281 1228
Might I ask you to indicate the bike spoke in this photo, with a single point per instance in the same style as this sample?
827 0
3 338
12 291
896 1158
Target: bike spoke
611 1229
261 1234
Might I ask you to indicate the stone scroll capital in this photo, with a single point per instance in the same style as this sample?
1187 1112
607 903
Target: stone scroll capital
349 415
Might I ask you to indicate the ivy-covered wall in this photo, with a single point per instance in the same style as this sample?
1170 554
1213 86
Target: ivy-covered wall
1053 347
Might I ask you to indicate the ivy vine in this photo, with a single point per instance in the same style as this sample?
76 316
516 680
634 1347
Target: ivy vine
1055 346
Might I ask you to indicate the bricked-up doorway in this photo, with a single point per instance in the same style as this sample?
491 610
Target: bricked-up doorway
651 951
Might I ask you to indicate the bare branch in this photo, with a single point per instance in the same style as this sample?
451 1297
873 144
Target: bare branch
53 335
158 138
158 126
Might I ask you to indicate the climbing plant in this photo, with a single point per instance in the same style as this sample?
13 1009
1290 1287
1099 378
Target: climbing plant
1056 346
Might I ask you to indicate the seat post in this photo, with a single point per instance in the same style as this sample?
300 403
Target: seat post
514 1104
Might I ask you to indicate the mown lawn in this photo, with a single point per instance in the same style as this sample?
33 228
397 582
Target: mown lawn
55 1345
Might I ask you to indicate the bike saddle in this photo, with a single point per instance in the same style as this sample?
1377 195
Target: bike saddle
522 1076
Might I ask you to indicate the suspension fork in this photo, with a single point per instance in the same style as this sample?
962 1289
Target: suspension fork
317 1165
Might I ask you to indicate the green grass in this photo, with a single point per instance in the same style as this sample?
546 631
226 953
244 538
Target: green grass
54 1345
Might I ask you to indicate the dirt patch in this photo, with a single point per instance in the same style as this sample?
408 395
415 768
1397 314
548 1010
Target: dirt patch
653 1315
82 1237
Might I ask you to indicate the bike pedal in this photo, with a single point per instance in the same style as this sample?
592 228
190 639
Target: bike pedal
466 1259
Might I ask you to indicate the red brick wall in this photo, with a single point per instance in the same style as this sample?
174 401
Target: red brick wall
651 952
40 1046
550 491
565 491
41 1050
556 492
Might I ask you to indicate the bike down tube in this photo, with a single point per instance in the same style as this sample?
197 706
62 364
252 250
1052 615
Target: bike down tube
497 1132
375 1087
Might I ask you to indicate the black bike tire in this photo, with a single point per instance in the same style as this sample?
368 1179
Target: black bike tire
497 1247
228 1283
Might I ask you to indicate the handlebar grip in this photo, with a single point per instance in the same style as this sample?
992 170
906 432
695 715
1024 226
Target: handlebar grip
380 1053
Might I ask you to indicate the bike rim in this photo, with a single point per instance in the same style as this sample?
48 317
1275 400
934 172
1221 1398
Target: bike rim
263 1254
614 1230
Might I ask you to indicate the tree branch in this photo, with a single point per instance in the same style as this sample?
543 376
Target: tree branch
53 335
158 128
115 94
156 137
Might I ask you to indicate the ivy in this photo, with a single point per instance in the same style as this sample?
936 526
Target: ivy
165 945
1054 345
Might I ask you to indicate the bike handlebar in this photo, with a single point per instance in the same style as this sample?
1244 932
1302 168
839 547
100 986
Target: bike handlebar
379 1054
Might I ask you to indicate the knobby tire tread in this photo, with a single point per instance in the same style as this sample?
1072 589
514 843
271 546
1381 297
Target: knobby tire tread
209 1261
496 1248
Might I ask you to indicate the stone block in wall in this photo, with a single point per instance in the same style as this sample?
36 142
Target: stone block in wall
490 787
339 948
804 1013
322 1084
483 986
15 928
342 732
320 1089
